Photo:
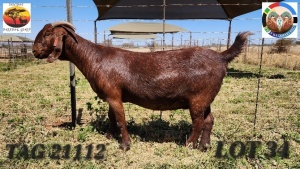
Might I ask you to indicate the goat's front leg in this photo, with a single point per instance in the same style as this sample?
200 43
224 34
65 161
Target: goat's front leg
207 128
116 107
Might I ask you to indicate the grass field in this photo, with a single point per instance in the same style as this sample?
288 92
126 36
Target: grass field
35 108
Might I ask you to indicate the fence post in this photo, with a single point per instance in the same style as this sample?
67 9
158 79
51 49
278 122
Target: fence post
72 71
258 85
9 53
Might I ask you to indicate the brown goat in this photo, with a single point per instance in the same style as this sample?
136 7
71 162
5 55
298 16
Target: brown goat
187 78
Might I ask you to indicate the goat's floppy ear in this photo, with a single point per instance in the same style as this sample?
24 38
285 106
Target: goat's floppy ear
58 45
70 31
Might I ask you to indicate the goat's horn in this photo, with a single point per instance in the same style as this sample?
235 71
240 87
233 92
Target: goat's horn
64 23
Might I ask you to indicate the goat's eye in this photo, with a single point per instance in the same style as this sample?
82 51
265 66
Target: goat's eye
47 34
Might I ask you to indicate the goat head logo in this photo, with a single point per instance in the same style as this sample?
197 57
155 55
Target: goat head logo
280 19
279 23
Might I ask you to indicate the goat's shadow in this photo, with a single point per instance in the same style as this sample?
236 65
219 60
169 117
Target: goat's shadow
162 131
152 131
231 72
69 125
155 130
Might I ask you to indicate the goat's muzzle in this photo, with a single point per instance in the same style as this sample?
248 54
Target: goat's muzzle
36 54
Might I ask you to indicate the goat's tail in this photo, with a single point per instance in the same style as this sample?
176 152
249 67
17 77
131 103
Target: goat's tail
236 47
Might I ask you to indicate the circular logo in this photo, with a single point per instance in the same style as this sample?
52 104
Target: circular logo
279 20
16 16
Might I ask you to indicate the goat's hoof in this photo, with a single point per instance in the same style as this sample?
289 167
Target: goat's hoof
124 147
109 135
204 147
191 145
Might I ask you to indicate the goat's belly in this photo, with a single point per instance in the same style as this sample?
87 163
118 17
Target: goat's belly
159 103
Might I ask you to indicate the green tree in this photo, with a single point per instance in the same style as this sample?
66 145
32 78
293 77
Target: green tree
282 45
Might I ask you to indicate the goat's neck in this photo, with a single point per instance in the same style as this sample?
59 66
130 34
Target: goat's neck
82 54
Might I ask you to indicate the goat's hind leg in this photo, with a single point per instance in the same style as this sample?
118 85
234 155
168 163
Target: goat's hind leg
207 128
197 114
113 128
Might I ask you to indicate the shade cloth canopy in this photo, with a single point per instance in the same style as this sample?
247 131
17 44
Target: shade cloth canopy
144 28
14 38
133 36
175 9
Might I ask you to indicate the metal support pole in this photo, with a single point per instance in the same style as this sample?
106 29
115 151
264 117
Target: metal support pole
229 33
190 39
181 40
172 40
72 70
164 21
104 36
163 40
95 31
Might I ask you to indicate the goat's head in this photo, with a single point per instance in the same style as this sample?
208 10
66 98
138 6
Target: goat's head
49 42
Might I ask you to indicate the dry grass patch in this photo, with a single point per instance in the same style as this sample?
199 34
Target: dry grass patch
289 60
